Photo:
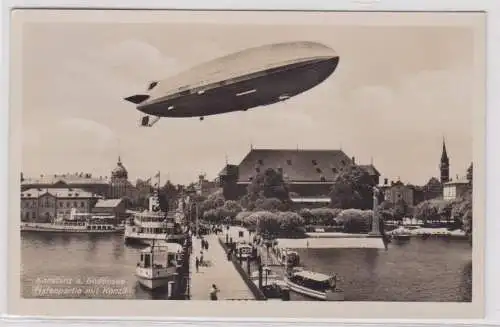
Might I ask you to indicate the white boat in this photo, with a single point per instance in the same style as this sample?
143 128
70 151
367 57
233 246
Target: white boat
154 224
158 265
77 223
315 285
401 234
287 257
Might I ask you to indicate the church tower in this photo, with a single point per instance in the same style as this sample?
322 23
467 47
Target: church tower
444 166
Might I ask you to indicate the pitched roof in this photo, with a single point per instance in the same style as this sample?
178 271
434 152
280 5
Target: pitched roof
370 169
57 192
66 179
296 165
109 203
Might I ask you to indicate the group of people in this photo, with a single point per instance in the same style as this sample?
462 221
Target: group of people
199 260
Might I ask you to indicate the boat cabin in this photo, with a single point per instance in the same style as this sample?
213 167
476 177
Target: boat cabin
160 256
314 281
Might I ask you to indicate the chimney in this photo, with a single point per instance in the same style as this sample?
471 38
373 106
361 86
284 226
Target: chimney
353 160
386 181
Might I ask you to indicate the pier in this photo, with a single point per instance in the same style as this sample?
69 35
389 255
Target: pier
219 271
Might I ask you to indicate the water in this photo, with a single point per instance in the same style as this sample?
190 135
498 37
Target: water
430 270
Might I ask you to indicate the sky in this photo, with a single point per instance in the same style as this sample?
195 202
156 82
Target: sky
396 93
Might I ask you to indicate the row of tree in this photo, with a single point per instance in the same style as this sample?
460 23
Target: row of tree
287 223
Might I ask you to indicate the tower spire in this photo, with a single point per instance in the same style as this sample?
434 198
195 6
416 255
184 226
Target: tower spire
444 165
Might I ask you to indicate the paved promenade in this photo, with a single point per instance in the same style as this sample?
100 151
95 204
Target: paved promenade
220 272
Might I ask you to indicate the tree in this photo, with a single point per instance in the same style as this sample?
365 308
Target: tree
290 222
386 210
470 175
355 220
269 204
462 211
400 209
352 188
269 184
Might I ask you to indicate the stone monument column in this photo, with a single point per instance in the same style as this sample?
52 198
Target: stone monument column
375 232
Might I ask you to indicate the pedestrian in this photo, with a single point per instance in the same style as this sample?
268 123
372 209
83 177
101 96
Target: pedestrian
197 263
206 245
307 244
213 292
201 260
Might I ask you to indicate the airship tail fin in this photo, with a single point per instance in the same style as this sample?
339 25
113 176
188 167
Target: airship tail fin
137 98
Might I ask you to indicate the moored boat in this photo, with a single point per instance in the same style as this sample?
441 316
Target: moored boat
315 285
77 223
154 224
158 265
401 234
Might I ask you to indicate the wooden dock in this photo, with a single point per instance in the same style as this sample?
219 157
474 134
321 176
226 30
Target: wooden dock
219 271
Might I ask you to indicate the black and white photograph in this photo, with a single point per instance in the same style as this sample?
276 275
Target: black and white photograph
305 158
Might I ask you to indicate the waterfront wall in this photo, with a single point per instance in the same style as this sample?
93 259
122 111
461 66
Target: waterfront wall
259 296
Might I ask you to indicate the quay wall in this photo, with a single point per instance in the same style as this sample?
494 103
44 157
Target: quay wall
259 296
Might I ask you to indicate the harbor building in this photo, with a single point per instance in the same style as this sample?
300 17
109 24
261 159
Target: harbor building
45 205
309 174
114 187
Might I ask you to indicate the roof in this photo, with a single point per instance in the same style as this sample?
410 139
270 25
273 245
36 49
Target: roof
457 182
57 192
110 203
242 63
310 200
370 169
296 165
313 275
68 179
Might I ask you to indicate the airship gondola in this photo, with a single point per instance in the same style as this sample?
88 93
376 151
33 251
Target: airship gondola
240 81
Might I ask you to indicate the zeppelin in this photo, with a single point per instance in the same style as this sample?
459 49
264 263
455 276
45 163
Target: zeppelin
237 82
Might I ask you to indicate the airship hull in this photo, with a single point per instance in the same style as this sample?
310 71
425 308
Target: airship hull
245 92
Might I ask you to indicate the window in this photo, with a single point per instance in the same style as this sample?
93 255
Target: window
257 170
318 170
323 179
82 204
60 204
289 162
260 162
334 170
314 162
280 170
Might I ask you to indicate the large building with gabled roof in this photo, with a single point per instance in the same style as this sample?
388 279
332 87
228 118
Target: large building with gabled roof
308 173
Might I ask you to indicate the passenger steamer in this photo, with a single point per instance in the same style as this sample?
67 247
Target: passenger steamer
153 224
77 223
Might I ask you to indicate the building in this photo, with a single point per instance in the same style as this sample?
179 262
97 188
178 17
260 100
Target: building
308 173
444 165
455 189
84 181
119 185
205 187
398 191
116 207
45 205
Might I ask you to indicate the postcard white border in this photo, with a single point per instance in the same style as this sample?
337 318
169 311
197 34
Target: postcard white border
353 309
